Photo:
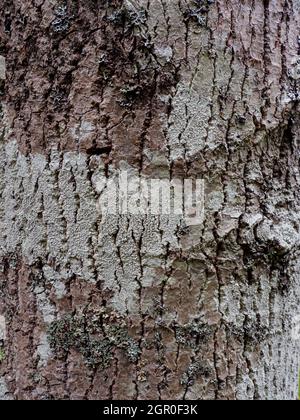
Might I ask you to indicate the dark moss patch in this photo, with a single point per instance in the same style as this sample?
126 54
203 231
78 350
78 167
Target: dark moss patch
131 93
240 119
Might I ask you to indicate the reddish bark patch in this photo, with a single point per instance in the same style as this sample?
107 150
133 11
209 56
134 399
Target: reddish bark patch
83 76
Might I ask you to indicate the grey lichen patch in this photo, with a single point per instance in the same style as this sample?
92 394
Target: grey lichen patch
94 334
268 255
294 70
43 351
127 18
197 12
2 81
4 393
253 332
193 333
2 328
2 68
195 370
62 21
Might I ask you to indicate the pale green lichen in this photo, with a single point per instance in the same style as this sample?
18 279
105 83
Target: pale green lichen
2 355
95 335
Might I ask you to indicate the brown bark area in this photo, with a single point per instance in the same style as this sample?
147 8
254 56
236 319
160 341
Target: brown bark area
140 309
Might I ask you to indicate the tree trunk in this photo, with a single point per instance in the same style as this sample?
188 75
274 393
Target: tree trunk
143 307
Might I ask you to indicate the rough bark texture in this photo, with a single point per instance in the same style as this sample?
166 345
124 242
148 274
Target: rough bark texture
133 308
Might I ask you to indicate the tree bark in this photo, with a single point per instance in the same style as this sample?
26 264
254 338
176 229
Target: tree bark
142 308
